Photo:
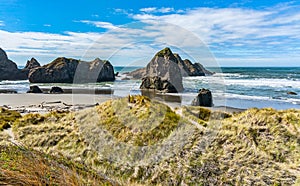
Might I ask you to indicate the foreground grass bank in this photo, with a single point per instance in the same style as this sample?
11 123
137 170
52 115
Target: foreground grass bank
138 141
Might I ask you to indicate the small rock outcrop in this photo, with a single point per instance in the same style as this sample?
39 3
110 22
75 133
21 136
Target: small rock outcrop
292 93
204 98
34 89
163 73
66 70
156 83
56 90
187 68
9 69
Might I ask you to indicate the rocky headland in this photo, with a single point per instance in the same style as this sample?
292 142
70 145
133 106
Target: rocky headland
61 70
9 69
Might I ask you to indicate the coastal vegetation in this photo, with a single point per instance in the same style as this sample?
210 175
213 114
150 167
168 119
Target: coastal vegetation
135 140
23 166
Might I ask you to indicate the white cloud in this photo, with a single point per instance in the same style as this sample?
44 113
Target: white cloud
269 30
166 10
99 24
47 25
122 47
233 34
157 10
2 23
148 10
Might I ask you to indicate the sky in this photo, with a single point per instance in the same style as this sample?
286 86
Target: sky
215 33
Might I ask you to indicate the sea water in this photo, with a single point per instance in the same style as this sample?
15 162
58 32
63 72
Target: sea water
239 87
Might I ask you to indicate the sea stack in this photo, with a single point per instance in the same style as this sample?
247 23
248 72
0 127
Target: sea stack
163 73
187 68
204 98
67 70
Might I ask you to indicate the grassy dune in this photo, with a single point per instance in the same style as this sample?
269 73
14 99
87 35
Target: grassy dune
135 140
21 166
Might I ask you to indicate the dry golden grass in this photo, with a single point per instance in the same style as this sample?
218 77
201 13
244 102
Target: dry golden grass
7 117
138 141
21 166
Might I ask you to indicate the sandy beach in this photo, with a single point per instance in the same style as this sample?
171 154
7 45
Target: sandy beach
41 103
25 103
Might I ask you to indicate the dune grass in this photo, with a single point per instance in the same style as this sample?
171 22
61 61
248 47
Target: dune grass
136 140
137 120
21 166
7 117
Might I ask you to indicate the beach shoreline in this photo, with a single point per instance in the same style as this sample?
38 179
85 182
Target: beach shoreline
43 103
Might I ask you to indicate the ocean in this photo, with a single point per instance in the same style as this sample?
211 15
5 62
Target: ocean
238 87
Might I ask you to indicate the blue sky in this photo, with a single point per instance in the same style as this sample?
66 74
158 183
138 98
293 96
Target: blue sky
226 33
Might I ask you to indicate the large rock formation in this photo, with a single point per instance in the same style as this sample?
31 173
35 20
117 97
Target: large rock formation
163 73
187 68
9 69
66 70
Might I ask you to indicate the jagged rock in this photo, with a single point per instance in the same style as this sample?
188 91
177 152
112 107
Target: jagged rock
204 98
163 73
34 89
200 68
31 64
56 90
9 69
66 70
190 69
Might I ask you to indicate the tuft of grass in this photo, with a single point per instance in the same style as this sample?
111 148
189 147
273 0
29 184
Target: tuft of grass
36 118
7 118
204 113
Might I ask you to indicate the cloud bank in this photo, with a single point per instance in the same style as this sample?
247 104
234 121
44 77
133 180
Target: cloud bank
236 36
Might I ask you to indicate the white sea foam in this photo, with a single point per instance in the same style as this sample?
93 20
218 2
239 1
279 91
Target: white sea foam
263 82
